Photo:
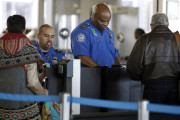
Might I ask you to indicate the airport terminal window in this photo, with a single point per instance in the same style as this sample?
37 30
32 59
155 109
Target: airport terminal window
145 11
172 9
27 8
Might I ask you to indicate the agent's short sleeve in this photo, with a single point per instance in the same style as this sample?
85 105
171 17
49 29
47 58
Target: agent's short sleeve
80 42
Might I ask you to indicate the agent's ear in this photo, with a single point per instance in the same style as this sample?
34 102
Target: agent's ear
6 30
24 32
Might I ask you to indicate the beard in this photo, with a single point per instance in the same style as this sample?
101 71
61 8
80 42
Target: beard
101 28
47 46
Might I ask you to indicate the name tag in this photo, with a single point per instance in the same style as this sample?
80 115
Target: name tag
99 39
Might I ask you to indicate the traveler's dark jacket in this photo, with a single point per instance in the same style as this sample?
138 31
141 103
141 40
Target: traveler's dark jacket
155 56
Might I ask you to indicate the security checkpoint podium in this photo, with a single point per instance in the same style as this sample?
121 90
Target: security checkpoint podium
65 77
98 83
108 84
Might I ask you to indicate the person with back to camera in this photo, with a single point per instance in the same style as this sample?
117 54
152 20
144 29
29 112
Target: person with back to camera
93 42
155 60
46 37
18 71
138 33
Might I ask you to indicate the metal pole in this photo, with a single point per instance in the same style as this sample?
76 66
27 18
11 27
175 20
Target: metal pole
65 107
143 113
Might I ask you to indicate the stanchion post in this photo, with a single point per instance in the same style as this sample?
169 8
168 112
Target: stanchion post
65 107
143 113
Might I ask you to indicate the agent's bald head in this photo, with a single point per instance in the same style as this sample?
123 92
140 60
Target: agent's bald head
101 16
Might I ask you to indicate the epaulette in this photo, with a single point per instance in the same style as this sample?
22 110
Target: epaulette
59 51
84 26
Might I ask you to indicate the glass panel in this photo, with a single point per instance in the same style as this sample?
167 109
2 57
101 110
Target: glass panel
26 8
173 12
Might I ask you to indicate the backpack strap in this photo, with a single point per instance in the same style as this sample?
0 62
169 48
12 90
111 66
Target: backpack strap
177 36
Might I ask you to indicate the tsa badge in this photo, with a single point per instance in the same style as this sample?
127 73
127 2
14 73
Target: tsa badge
54 60
110 35
81 37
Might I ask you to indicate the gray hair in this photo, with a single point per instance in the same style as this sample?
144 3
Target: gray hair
159 19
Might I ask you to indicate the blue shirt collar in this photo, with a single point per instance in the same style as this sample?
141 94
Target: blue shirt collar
39 50
91 24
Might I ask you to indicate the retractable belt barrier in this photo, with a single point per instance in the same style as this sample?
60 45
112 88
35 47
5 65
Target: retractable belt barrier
143 107
104 103
37 98
159 108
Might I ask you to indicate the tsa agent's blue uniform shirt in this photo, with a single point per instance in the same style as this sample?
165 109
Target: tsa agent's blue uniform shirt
87 40
52 56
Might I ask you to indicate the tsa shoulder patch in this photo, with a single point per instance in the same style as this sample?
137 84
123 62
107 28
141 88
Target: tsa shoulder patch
81 37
